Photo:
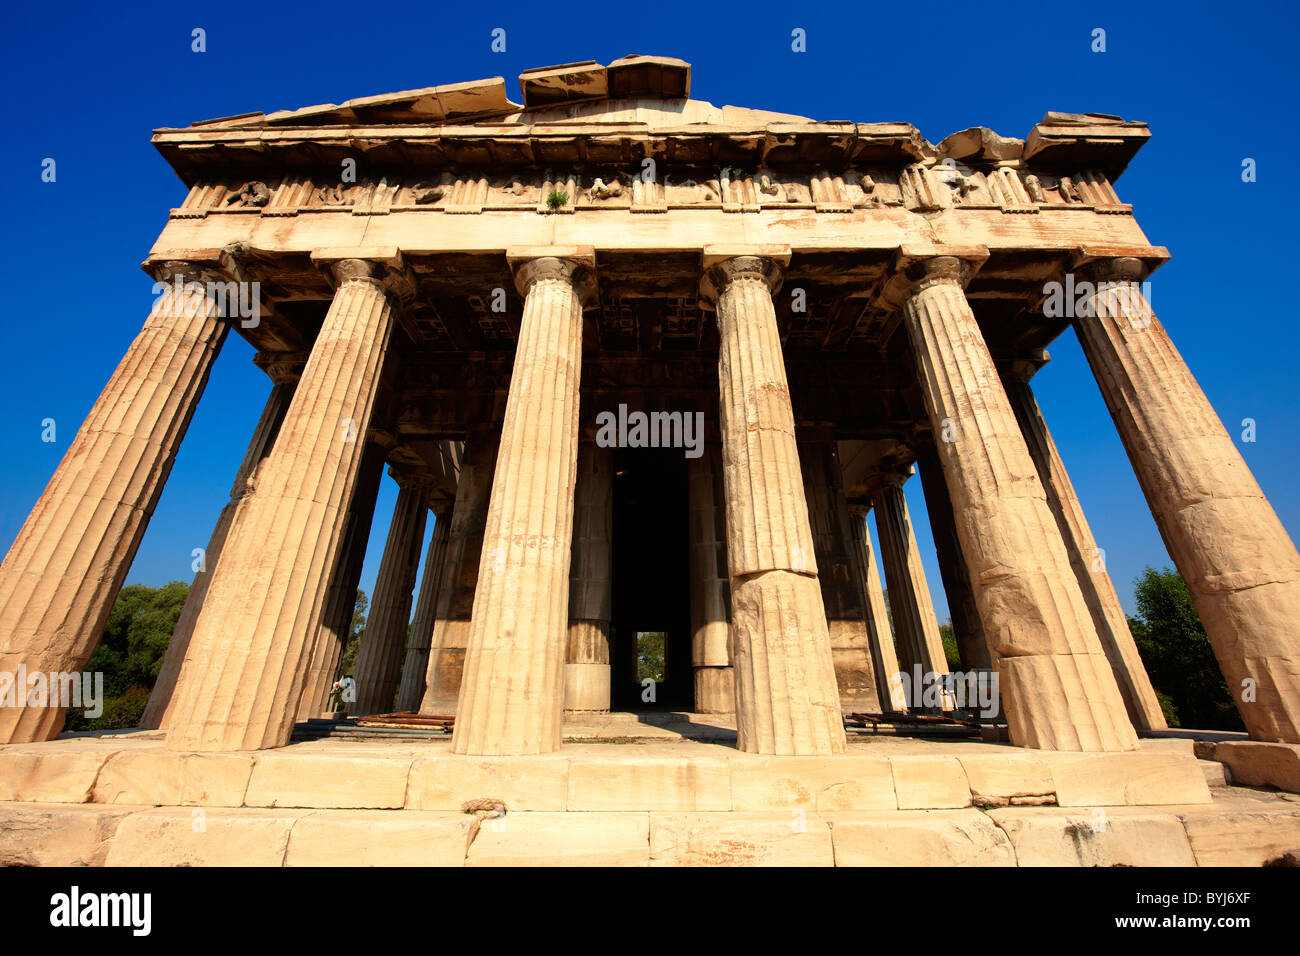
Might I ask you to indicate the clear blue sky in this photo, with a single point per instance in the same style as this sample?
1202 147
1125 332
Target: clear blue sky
1216 82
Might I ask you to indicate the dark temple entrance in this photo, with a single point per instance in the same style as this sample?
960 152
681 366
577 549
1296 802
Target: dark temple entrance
651 579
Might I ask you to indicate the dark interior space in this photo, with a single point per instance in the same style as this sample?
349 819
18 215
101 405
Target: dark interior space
651 576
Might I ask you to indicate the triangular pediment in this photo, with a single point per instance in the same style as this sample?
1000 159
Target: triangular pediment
645 90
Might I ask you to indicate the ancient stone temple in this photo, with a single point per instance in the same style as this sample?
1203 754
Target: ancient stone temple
649 366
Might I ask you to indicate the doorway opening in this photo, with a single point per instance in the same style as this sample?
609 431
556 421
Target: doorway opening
650 652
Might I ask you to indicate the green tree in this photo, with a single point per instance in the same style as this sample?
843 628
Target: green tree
130 652
1178 656
357 628
650 656
950 652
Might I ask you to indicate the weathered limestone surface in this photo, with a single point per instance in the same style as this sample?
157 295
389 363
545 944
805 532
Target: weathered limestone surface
415 668
884 656
341 596
379 838
230 837
511 696
253 643
34 834
916 629
379 658
259 447
1087 561
920 838
563 839
787 701
651 782
733 839
1119 836
1055 681
841 584
1226 541
460 577
1241 831
715 685
533 782
353 780
62 574
586 659
1257 763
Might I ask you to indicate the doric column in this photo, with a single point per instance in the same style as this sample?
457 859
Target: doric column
1054 678
416 666
341 595
916 629
460 575
837 572
258 447
1085 559
787 701
884 656
715 684
1223 535
383 643
966 625
586 661
62 574
511 695
253 643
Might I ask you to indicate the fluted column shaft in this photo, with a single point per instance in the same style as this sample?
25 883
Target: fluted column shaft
383 643
842 593
416 665
916 629
715 686
1239 563
341 595
586 660
1055 681
511 695
155 713
884 656
455 605
253 643
66 566
787 701
1085 559
968 629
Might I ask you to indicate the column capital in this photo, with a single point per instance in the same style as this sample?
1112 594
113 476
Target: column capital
724 264
924 265
382 266
410 477
1117 263
1024 367
894 477
281 367
573 264
198 265
1113 269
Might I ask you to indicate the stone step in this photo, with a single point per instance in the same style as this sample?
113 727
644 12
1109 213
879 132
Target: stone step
1238 829
680 776
1216 774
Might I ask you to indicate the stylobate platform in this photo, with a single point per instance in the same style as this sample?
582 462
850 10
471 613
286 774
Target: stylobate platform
646 792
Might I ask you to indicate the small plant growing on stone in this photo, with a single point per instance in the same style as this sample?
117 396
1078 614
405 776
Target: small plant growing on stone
556 199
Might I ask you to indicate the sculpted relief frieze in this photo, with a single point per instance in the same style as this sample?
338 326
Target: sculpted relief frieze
929 186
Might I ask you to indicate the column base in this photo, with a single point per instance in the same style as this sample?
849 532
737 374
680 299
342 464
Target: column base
586 687
445 675
715 690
